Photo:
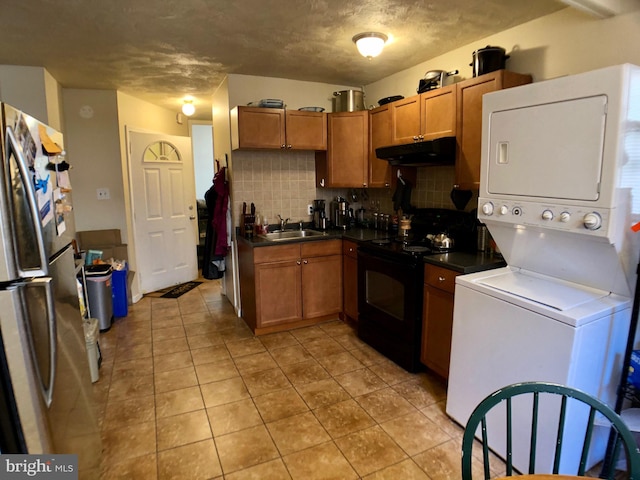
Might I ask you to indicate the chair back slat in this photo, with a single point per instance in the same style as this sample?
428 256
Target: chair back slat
611 467
485 449
561 422
534 433
587 442
509 453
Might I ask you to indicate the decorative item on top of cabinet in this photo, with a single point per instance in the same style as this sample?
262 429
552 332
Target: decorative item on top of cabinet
350 280
276 128
345 163
289 286
469 121
430 115
437 318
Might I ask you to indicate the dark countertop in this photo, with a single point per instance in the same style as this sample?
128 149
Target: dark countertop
463 262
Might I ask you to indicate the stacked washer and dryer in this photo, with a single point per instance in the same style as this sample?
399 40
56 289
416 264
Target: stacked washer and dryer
559 191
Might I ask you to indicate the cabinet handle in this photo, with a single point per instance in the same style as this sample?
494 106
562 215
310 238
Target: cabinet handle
441 279
415 138
350 249
289 146
298 262
322 182
283 146
305 261
386 185
364 185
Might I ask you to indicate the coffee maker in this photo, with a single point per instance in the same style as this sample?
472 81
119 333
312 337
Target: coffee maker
340 213
319 215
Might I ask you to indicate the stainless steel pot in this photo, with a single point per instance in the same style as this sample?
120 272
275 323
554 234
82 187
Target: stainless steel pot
441 241
488 59
348 101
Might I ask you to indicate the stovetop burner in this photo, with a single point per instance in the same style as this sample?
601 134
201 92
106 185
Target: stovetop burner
381 241
416 249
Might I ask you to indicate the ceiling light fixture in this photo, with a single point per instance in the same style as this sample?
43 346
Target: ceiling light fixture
370 44
188 108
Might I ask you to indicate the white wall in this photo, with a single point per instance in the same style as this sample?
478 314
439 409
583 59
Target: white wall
563 43
202 146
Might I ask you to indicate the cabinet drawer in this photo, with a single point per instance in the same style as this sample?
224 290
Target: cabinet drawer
277 253
350 249
323 247
441 278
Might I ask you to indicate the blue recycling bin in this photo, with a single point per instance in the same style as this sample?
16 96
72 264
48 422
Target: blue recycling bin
119 292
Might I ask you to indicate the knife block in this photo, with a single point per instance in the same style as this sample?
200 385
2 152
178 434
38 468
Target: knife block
247 224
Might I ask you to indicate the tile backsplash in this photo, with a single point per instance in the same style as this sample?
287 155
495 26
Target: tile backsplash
283 182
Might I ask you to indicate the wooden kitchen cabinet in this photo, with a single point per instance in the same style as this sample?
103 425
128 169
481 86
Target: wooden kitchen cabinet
276 128
379 136
346 161
350 280
437 318
426 116
291 285
469 121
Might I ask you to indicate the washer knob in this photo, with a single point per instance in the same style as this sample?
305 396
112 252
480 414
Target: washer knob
565 217
592 221
487 208
547 215
504 210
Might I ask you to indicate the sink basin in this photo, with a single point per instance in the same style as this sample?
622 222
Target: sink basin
290 235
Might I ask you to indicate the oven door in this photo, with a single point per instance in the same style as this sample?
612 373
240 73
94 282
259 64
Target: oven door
390 305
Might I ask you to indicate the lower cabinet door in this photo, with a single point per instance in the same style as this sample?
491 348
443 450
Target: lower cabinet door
350 278
321 286
278 296
437 323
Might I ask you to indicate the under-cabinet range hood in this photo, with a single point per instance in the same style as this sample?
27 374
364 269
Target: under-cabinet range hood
441 151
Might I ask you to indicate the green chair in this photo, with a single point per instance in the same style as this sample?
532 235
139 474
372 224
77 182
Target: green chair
535 391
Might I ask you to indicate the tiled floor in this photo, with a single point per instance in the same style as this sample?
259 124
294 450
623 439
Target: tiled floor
187 392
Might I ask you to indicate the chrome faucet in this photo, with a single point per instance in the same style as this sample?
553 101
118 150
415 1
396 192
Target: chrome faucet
283 223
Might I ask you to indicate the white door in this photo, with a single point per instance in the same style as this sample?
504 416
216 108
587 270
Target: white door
164 209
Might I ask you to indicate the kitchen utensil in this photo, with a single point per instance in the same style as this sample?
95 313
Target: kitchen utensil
441 241
483 238
488 59
348 101
385 100
435 79
460 198
311 109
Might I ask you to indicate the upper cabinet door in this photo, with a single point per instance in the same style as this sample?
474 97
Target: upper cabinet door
306 130
379 136
405 120
438 113
348 149
253 127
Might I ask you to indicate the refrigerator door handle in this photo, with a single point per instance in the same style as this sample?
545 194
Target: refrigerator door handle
12 146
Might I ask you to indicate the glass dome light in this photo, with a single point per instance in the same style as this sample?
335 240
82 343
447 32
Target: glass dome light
370 44
188 108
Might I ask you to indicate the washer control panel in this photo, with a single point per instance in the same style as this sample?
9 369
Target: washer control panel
570 218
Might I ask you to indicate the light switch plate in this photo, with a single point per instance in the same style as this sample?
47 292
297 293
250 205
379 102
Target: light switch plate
103 194
309 209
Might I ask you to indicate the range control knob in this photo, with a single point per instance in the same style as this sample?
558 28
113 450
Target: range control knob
592 221
547 215
565 217
487 208
504 210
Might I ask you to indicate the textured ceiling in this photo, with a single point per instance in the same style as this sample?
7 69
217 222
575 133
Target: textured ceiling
162 50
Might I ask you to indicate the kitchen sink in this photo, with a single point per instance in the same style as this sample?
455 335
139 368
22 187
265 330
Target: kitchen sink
290 235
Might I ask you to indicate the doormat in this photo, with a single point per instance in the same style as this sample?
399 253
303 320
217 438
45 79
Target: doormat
181 289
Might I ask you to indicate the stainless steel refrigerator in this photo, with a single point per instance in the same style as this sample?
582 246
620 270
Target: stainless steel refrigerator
46 399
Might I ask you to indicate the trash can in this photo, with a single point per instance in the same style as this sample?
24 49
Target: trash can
119 288
90 326
99 294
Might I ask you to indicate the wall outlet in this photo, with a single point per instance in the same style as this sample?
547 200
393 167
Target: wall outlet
103 194
309 209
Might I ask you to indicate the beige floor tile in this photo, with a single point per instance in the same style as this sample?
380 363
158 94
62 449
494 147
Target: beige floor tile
343 418
255 362
124 443
204 340
350 340
196 461
335 328
271 470
322 393
167 333
308 334
245 448
138 467
172 361
132 368
340 363
415 433
323 461
171 345
367 355
129 412
420 393
370 450
442 462
298 432
360 382
166 322
212 372
289 355
321 347
279 404
385 404
436 413
232 417
305 372
278 340
196 317
236 333
246 346
211 354
132 352
201 328
123 387
183 429
405 470
259 383
164 309
195 305
392 373
175 379
178 401
224 391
